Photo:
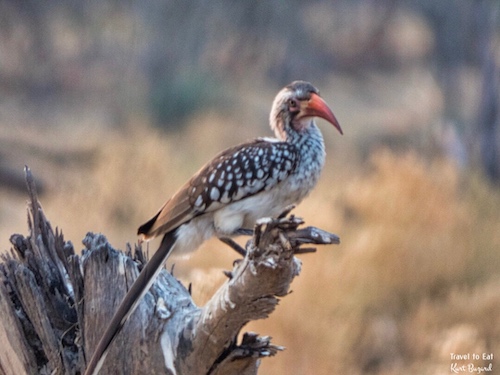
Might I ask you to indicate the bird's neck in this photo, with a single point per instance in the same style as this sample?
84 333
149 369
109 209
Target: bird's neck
308 131
311 159
309 143
308 140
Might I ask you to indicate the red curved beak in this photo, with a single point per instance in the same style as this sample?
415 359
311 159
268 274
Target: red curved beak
316 106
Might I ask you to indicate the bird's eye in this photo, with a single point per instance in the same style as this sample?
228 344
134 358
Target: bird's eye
292 104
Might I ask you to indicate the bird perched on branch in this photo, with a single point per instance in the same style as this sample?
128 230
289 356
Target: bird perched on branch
224 198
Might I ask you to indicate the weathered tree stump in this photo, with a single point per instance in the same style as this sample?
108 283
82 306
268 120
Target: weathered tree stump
55 304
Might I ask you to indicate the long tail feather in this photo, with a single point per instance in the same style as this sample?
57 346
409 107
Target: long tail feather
130 302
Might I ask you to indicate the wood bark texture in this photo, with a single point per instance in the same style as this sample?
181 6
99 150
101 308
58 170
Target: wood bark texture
55 304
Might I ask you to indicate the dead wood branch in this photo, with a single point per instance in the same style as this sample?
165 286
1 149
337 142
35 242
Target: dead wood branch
55 304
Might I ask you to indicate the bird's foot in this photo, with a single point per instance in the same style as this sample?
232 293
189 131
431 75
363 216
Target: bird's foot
286 211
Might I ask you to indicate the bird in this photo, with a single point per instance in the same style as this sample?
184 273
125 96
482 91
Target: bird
240 185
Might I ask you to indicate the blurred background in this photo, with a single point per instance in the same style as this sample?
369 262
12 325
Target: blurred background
114 104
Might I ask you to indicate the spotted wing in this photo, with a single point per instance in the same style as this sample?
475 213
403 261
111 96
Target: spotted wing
234 174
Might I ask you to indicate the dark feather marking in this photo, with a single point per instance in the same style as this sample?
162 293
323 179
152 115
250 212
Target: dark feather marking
245 162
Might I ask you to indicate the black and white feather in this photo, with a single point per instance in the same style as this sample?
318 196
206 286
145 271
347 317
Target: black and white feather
241 172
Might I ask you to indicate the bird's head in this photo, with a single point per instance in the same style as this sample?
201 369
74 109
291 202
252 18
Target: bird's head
295 107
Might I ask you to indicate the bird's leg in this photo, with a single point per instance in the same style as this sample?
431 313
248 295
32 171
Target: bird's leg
234 245
243 232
